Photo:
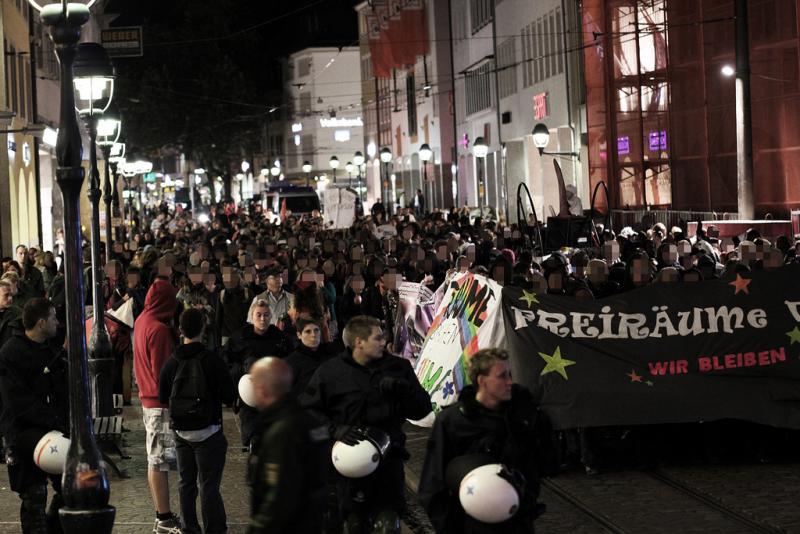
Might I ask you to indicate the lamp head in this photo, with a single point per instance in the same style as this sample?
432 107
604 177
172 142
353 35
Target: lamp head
541 137
306 167
480 148
425 153
386 155
358 159
348 167
275 171
334 162
93 79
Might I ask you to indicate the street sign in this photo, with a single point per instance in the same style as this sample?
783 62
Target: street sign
122 42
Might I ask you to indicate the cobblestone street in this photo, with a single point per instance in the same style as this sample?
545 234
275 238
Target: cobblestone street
728 499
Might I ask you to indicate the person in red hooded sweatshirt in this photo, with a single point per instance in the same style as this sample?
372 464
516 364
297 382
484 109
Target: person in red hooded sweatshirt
154 339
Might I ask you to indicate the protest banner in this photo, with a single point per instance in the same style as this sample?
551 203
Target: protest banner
340 207
665 353
414 317
466 320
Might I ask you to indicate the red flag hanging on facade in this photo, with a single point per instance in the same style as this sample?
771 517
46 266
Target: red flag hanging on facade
415 29
380 67
401 54
382 11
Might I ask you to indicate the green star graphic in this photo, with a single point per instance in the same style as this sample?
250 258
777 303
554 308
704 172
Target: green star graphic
794 335
556 363
649 383
529 297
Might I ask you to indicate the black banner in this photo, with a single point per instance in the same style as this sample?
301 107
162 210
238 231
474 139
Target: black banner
665 353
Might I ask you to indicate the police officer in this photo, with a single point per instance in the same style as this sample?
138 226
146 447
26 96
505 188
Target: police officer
496 418
289 463
366 387
33 388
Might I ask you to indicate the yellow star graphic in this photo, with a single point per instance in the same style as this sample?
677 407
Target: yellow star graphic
529 297
794 335
556 363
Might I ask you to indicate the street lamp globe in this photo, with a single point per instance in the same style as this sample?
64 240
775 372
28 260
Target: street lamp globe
386 155
480 148
306 167
425 153
728 70
334 162
245 166
275 171
358 159
348 167
108 130
93 79
541 136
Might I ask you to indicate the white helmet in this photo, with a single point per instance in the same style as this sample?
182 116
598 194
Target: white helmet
247 391
363 458
486 494
50 454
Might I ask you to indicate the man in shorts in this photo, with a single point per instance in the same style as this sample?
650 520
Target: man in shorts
153 344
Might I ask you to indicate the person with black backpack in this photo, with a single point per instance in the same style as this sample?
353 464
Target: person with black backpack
195 383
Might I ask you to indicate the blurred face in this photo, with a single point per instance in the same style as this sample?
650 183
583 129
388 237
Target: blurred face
6 297
133 279
372 347
310 336
497 383
261 317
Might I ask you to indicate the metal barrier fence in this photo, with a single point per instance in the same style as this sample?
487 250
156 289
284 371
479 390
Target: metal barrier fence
638 219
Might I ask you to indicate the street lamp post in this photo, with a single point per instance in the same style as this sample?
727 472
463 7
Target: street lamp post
307 170
386 157
425 155
358 161
480 149
108 130
94 85
334 163
349 168
117 159
84 484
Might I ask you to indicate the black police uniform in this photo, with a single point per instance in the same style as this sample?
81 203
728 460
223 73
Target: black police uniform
382 394
243 349
518 436
33 388
288 471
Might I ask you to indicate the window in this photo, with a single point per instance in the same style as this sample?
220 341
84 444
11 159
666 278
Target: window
304 104
411 104
542 48
459 21
506 62
480 12
478 88
303 66
12 61
366 66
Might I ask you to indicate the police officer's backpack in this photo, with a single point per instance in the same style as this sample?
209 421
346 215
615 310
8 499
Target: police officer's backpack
189 403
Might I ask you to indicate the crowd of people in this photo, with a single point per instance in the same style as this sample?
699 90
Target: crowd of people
308 315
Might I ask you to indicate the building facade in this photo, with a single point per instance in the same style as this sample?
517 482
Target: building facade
661 112
325 117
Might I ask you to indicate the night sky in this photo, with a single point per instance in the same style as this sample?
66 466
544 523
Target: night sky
211 68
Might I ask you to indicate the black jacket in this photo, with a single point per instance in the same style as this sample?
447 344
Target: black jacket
517 436
288 471
232 308
304 363
220 386
10 323
33 388
346 393
241 351
246 346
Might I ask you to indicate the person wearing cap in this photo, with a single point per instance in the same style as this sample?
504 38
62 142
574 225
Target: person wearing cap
279 300
496 418
366 387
